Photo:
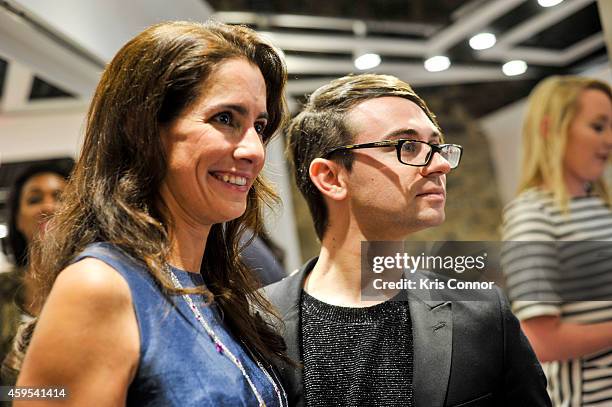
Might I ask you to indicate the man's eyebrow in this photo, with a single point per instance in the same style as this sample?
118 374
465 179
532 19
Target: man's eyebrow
435 135
402 133
240 109
412 133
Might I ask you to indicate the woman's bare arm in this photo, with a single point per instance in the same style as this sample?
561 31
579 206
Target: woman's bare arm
552 339
86 339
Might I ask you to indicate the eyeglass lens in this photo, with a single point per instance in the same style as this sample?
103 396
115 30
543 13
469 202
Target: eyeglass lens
452 154
418 153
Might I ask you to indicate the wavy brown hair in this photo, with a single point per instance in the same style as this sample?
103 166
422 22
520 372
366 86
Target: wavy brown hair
113 195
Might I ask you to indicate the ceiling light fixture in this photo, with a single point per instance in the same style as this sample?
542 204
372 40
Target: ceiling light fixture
482 41
549 3
367 61
514 68
437 64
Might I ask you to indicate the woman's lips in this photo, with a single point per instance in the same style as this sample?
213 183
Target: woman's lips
233 182
42 226
230 178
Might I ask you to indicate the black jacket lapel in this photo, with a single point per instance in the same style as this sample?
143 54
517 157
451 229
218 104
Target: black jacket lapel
432 331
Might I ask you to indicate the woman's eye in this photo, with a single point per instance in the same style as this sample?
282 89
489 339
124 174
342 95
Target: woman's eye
224 118
260 127
599 128
33 200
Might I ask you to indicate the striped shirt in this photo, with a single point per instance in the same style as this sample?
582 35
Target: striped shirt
550 276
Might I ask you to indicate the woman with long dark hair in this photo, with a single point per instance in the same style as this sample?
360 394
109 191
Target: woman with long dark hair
146 299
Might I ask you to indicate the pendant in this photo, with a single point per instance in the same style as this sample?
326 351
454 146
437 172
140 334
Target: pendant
218 347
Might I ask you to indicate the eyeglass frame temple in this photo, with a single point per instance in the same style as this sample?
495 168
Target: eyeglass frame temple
375 144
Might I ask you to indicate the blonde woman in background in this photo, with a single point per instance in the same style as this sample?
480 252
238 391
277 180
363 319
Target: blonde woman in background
560 289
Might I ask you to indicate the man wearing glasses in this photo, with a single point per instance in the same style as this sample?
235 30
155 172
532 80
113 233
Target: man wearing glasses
370 161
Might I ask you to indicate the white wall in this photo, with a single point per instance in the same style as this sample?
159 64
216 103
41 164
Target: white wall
281 223
28 136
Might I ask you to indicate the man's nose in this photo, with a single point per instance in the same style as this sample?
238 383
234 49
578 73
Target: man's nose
438 164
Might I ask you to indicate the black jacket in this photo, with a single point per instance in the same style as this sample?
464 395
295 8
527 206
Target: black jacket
466 353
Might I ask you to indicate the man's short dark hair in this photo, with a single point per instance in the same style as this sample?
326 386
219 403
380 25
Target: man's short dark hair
322 125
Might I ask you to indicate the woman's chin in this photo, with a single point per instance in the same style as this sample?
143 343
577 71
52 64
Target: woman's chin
232 211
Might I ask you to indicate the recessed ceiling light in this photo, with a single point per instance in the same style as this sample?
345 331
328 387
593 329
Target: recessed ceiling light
514 68
437 63
367 61
482 41
549 3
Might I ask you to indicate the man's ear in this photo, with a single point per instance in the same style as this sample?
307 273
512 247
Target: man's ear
328 177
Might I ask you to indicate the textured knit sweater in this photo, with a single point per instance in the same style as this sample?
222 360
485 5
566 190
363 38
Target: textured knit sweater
357 356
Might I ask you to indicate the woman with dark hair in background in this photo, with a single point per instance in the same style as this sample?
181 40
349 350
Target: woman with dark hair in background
146 301
33 199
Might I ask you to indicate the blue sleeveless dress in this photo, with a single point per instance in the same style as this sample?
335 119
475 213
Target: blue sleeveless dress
179 365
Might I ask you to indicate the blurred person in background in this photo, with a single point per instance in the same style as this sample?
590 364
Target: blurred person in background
563 203
146 301
33 199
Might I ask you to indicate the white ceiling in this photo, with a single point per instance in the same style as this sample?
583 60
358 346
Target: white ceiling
67 43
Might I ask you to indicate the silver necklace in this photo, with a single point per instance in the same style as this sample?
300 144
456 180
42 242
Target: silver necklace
224 350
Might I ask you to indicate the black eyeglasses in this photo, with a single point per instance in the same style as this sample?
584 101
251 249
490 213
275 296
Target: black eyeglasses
411 152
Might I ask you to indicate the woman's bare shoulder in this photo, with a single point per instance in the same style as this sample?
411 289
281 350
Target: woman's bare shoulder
87 333
93 281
